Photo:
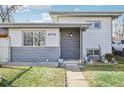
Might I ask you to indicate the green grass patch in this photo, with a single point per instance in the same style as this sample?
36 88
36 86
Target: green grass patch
104 75
119 59
25 76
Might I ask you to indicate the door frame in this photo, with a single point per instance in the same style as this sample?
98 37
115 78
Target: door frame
80 42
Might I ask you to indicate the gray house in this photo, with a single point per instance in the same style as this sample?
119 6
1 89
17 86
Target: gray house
71 35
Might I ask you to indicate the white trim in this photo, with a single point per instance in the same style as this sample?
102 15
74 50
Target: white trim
33 38
92 49
9 49
113 14
44 25
92 22
80 44
59 42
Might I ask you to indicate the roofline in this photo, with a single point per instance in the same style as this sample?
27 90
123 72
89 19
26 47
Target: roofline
44 25
113 14
86 11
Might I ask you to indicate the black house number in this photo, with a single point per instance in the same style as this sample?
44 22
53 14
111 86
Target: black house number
51 34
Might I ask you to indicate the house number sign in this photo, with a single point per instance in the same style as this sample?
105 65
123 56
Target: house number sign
51 34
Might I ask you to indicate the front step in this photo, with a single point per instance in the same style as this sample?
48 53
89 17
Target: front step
71 61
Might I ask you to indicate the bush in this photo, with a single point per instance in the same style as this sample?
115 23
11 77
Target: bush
109 57
1 65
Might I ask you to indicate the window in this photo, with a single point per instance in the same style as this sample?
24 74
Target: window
113 42
96 52
89 52
95 24
118 42
34 38
28 39
93 52
122 41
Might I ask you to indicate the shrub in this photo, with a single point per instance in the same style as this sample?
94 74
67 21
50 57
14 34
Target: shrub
109 57
1 65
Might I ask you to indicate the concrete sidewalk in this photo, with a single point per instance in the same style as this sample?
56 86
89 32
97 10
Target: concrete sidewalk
75 77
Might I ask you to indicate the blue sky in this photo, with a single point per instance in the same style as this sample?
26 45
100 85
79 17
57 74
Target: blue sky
35 13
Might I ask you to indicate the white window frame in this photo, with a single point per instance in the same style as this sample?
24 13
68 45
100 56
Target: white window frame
33 37
93 49
93 23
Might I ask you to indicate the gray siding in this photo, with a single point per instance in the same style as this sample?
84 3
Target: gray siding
34 54
70 46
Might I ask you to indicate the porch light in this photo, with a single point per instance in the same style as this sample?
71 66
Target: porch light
71 34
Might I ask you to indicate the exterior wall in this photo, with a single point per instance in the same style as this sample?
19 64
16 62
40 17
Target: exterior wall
98 38
33 54
93 38
16 36
4 49
54 18
49 52
52 41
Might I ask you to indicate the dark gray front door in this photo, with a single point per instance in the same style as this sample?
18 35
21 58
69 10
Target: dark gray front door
70 44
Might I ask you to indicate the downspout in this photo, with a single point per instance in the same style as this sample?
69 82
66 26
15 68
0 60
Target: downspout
9 48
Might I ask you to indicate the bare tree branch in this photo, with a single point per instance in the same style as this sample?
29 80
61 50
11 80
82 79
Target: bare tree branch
7 12
118 29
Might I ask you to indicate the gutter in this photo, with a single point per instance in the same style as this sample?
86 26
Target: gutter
43 25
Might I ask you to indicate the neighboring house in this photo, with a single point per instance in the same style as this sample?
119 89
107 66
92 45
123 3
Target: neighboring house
71 35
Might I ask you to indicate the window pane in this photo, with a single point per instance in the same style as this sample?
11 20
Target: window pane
122 41
28 38
42 38
96 52
36 39
97 24
89 52
119 42
113 42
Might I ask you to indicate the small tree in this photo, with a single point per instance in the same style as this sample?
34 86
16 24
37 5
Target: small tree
7 12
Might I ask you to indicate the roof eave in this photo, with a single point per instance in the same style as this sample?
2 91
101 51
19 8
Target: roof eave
114 14
43 25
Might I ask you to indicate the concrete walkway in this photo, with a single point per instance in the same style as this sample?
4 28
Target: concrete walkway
75 77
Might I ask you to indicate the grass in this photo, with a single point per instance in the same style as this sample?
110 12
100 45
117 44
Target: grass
25 76
120 59
104 75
